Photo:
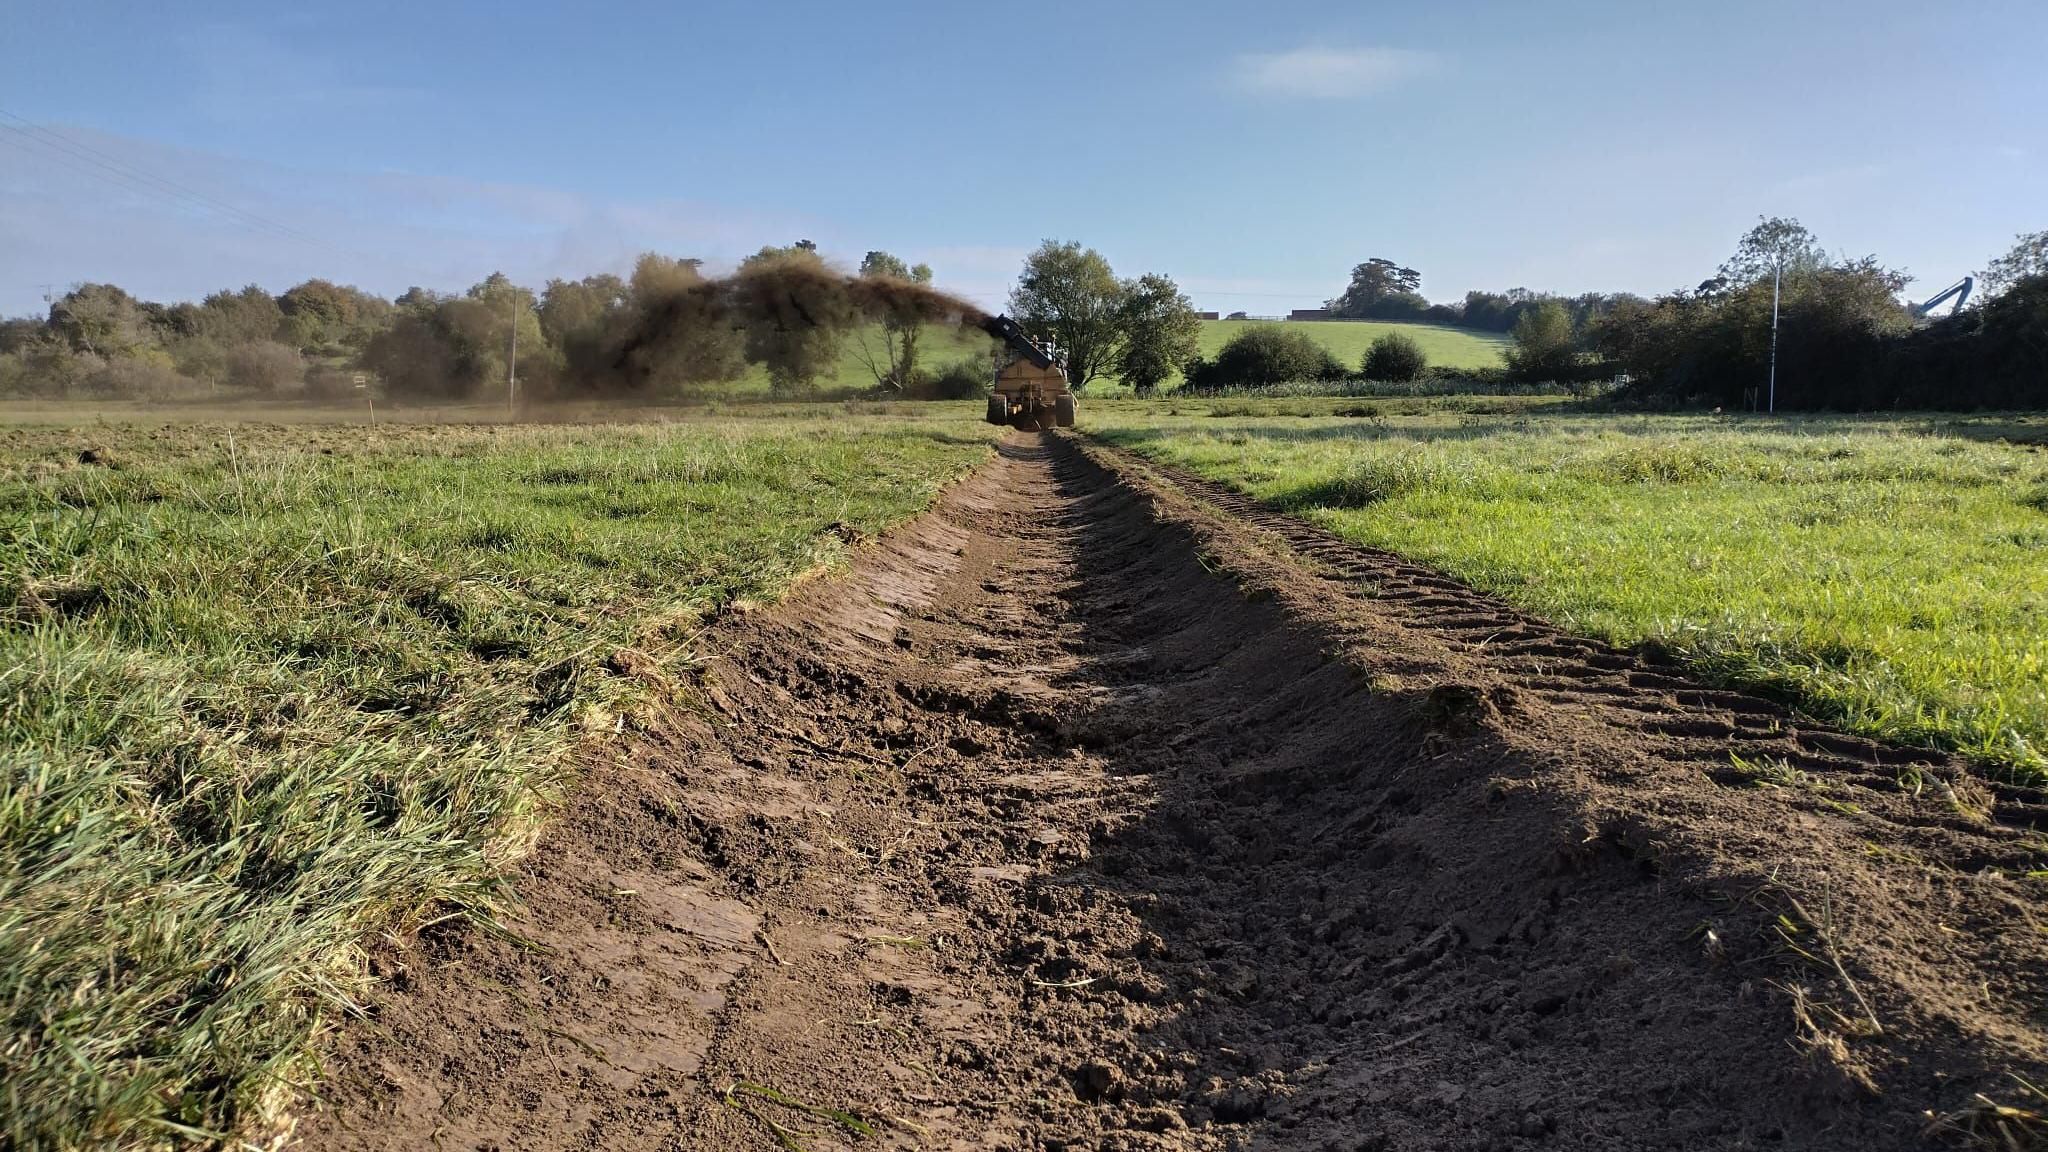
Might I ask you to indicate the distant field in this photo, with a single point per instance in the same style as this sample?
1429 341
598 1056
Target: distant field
264 687
1348 339
943 345
1889 574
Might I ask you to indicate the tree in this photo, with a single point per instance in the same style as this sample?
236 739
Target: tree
240 317
794 311
323 312
18 333
1776 242
324 302
1069 297
417 356
1264 355
572 310
1161 332
101 319
895 367
456 346
2027 258
655 275
1394 356
1543 346
490 334
1374 284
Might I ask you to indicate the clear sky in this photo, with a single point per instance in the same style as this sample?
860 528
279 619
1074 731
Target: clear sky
1254 151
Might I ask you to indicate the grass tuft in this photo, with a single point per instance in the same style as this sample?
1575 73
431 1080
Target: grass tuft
1885 574
267 690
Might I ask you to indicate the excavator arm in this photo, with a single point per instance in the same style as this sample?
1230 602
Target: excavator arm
1018 341
1960 290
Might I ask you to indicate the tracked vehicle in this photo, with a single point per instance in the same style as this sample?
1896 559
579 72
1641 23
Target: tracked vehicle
1031 388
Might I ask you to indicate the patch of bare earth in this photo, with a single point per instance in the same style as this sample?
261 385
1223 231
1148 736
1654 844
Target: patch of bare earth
1100 808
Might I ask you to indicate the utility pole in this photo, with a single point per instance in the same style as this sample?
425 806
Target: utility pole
512 360
1777 278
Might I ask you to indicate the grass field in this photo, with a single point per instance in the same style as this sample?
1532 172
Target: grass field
943 345
1886 574
1348 340
264 689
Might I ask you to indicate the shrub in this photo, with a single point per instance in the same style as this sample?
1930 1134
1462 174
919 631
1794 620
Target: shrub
50 369
264 366
1396 357
14 375
201 358
1264 355
149 376
1544 348
960 380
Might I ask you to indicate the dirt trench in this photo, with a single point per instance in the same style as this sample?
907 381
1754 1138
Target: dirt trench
1101 808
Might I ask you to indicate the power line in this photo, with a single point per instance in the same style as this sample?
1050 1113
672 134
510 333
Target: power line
75 155
26 144
145 181
42 150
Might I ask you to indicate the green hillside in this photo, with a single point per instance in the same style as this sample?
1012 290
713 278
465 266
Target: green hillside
1347 339
945 344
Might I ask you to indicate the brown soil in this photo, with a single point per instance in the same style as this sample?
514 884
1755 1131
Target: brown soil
1101 808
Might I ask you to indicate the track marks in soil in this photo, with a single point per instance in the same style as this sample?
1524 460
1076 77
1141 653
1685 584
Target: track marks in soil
1105 809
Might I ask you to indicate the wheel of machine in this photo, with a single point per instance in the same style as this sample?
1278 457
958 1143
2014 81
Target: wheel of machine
1064 408
998 410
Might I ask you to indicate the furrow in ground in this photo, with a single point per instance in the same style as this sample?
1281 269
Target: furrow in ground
1098 808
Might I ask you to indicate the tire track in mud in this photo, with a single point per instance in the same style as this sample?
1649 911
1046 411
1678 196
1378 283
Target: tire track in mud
1100 808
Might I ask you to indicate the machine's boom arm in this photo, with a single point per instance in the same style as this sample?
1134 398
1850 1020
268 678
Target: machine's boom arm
1019 341
1960 290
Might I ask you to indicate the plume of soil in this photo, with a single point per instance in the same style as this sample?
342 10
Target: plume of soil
691 331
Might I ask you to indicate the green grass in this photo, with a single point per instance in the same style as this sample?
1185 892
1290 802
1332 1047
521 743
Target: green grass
1889 575
267 689
943 345
1348 340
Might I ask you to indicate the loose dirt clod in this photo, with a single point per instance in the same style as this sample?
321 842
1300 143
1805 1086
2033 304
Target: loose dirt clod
1189 873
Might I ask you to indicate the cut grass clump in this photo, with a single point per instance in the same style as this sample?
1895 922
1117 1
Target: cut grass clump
1379 477
1889 575
1670 463
261 700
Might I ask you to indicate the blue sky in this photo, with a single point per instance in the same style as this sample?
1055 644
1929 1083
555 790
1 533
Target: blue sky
1253 151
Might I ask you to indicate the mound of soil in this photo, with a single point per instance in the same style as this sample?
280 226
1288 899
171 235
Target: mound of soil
1102 808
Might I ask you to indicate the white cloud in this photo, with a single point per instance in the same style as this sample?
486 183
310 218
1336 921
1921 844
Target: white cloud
1328 73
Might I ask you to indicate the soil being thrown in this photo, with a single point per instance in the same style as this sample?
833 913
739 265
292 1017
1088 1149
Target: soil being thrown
1102 808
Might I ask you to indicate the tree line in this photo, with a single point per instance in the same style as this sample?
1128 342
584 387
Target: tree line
573 338
663 330
1844 337
1382 289
1845 340
666 329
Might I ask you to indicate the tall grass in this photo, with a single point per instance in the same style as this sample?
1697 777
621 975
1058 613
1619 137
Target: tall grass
1890 575
264 690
